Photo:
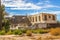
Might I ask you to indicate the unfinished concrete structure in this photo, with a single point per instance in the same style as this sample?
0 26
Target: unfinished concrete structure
18 22
42 20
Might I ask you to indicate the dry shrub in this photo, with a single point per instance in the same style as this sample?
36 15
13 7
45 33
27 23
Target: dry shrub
29 33
55 31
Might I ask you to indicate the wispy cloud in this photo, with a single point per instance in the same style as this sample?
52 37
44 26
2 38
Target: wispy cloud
50 5
27 6
20 4
49 12
53 12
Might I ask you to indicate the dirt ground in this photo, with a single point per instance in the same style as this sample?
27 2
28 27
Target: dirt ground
33 37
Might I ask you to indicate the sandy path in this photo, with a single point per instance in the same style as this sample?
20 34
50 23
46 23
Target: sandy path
33 37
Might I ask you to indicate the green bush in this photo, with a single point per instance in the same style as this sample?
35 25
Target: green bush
40 31
2 32
17 32
43 31
24 31
9 32
29 33
36 31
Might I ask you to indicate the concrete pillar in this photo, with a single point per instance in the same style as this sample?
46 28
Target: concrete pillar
48 17
51 17
37 18
34 18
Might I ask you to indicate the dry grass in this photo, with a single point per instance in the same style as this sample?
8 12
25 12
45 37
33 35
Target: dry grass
55 31
29 33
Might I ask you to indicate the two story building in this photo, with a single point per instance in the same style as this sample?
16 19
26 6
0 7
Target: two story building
42 20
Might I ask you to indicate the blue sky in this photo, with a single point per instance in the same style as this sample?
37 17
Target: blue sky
23 7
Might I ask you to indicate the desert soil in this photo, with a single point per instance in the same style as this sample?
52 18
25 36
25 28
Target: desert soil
33 37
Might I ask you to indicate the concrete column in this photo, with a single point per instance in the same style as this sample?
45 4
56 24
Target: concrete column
33 18
51 18
48 17
37 18
30 19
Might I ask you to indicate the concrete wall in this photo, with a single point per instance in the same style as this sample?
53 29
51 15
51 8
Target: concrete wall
41 20
49 18
38 20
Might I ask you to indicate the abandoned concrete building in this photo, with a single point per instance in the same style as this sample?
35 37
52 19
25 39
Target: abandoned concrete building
42 20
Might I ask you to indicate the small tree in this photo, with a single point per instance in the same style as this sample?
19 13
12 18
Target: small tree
3 21
6 24
2 14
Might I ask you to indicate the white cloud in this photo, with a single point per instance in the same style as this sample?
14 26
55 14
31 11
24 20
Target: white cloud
33 13
13 13
53 12
50 12
47 1
39 3
27 6
49 5
20 4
